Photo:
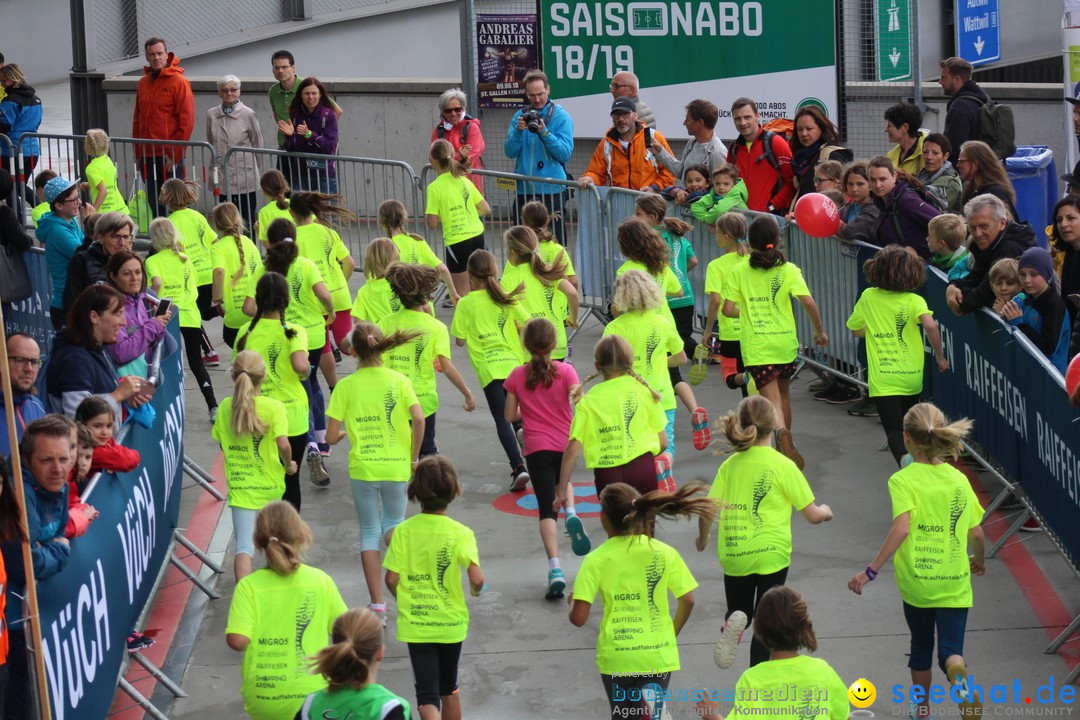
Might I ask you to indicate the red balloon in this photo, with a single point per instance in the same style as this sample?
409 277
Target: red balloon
1072 376
817 215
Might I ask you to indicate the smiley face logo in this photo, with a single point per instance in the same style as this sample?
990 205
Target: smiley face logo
862 693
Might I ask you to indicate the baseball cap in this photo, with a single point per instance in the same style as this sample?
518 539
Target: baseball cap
623 105
57 187
1075 99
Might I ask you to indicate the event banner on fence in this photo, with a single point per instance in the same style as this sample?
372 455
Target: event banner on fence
508 48
88 610
686 49
1023 420
31 316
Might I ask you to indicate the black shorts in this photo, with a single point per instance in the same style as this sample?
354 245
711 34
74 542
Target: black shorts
765 374
457 255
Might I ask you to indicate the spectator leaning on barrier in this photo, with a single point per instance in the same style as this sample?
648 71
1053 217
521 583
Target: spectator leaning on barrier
902 123
540 141
232 124
164 110
704 148
462 131
624 158
113 231
904 216
993 236
281 95
763 158
966 99
142 328
626 85
62 235
24 361
1041 315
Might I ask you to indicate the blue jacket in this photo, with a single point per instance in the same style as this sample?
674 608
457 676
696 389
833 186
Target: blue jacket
72 373
61 239
541 156
20 112
1045 321
27 409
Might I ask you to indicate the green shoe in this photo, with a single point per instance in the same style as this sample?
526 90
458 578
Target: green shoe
864 408
701 365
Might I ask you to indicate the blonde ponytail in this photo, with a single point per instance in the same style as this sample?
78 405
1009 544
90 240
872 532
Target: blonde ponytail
248 372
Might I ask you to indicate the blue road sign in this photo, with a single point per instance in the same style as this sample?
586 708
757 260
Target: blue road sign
978 31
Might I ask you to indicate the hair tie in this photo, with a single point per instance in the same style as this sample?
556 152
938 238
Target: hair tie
535 251
288 239
769 246
274 539
633 503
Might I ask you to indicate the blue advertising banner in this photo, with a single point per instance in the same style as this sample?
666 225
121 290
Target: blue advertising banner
978 31
31 316
88 609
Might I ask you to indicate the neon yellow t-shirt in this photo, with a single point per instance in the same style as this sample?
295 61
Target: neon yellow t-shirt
178 283
633 574
802 686
549 250
715 273
766 320
270 212
289 618
429 551
932 568
415 252
235 290
281 383
39 210
103 170
416 359
894 346
667 280
253 469
758 487
374 403
491 335
323 246
617 421
454 200
375 300
540 301
197 237
653 337
304 309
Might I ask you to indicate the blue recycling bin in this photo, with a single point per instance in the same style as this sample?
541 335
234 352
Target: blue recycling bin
1034 177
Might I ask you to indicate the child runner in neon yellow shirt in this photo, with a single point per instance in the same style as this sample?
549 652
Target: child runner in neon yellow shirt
350 664
413 249
101 174
377 409
759 293
535 216
936 516
423 572
253 432
888 315
418 359
280 616
633 573
547 293
489 321
730 234
236 263
276 190
375 300
755 490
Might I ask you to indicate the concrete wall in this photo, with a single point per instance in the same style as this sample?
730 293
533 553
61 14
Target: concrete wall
36 35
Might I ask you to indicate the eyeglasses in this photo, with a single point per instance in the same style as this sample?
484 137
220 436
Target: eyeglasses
230 91
23 361
818 181
75 199
123 237
454 109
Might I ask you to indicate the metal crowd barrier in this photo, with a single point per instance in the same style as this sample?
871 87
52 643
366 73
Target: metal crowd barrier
7 150
31 316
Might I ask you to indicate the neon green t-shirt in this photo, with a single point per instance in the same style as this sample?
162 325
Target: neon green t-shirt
766 320
540 301
253 467
281 383
415 252
454 200
39 210
323 246
289 618
375 300
197 237
633 574
270 212
103 170
549 250
667 281
491 335
236 289
416 359
374 405
429 551
802 686
653 338
616 422
894 346
681 252
932 568
178 283
715 273
758 487
304 309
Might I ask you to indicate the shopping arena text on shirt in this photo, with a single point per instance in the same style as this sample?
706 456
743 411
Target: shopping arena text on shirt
996 693
788 693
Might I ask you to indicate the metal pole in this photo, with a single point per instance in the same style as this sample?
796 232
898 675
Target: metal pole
468 54
916 60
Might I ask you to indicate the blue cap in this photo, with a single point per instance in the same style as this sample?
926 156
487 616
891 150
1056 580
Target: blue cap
57 187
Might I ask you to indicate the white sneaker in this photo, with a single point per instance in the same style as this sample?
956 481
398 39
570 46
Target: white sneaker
728 644
317 471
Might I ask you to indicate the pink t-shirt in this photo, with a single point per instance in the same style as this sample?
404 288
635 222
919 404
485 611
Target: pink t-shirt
545 411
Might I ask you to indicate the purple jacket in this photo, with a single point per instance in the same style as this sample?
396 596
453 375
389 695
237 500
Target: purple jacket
904 219
140 330
324 135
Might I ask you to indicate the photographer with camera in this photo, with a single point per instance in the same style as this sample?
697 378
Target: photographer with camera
540 141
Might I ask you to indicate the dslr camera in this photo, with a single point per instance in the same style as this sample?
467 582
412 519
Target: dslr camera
532 119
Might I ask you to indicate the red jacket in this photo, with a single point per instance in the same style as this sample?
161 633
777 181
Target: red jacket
113 457
765 185
77 522
164 110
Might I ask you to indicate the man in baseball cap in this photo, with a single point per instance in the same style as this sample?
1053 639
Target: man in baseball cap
624 158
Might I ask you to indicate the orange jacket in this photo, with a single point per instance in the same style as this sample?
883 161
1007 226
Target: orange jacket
164 110
633 168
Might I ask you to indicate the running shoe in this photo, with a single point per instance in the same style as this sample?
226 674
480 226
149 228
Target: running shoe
866 407
702 433
842 395
820 384
728 644
211 360
913 713
579 541
324 449
317 471
447 302
664 479
520 479
556 584
701 365
969 702
337 353
785 443
137 641
520 435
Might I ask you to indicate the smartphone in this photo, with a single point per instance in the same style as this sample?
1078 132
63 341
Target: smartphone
163 306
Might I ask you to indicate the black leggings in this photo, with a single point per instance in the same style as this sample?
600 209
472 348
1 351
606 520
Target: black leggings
427 445
744 593
193 350
298 444
684 324
229 334
496 399
626 698
434 667
891 410
544 468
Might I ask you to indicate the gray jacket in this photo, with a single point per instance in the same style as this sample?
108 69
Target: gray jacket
711 154
644 112
239 128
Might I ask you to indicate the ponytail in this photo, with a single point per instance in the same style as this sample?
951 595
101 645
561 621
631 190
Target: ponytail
482 269
753 419
521 245
228 223
163 236
442 157
539 340
392 217
275 186
535 216
367 342
283 536
281 248
613 356
248 372
631 513
321 205
932 434
355 642
764 239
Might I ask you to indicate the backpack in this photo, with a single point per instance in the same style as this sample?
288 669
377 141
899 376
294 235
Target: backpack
648 151
929 195
766 142
997 128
